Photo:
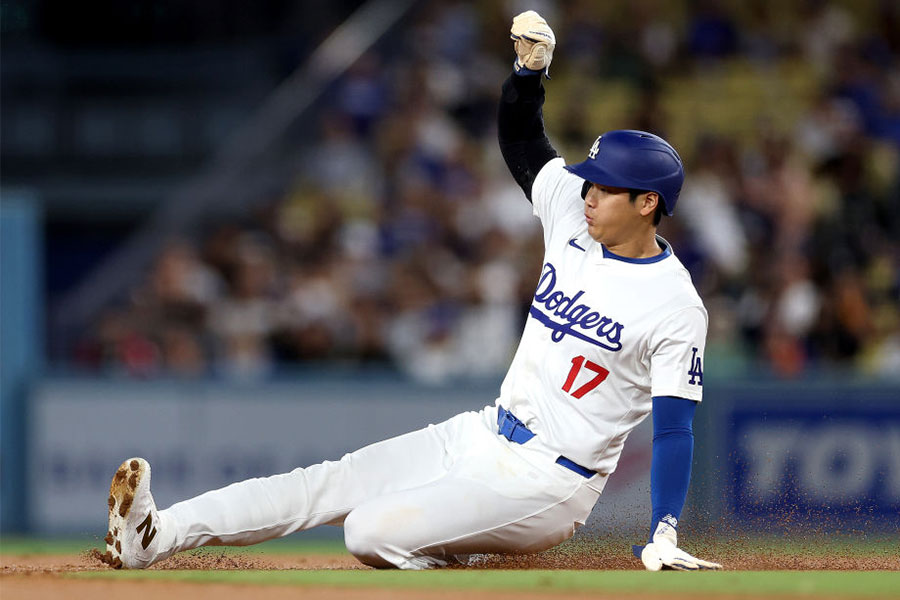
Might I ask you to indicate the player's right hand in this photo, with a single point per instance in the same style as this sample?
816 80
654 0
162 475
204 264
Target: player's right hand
665 556
663 553
534 42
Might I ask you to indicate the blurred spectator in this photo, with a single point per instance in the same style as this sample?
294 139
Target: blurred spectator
182 353
242 322
711 31
779 189
708 206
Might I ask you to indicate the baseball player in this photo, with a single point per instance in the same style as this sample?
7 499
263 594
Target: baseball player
615 330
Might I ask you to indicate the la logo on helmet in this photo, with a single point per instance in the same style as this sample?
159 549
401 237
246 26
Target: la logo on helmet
595 148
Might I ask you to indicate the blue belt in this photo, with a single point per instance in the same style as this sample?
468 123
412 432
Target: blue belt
510 427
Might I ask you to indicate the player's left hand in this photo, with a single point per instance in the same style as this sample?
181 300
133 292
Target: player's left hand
534 42
663 553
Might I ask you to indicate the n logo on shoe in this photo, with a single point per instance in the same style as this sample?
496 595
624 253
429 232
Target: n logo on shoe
149 533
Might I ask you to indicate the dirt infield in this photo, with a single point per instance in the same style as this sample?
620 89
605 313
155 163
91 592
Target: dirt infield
205 560
43 575
733 557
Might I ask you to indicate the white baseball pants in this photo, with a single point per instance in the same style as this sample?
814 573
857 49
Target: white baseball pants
415 501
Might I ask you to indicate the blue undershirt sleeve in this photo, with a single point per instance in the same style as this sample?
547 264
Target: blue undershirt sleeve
673 449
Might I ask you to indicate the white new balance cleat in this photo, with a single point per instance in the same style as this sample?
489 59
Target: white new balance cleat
132 538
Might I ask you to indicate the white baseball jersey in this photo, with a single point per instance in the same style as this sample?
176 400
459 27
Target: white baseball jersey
604 334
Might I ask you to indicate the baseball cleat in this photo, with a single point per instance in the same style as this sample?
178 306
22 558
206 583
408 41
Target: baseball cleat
132 540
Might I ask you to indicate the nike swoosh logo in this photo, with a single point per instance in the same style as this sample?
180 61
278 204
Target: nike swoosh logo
574 244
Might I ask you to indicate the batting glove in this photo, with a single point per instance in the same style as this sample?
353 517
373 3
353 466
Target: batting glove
534 43
663 553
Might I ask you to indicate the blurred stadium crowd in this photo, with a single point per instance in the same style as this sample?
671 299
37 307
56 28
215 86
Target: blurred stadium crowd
403 241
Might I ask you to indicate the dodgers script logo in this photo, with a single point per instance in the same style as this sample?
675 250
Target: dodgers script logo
578 320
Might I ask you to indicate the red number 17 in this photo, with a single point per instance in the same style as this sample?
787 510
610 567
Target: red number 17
577 363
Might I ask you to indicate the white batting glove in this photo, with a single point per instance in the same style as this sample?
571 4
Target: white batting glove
534 42
663 553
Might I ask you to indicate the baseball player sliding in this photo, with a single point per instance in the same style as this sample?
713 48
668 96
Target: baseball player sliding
615 331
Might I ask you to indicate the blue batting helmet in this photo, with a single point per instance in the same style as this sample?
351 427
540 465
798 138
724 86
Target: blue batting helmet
637 160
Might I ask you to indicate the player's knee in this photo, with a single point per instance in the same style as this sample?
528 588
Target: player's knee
364 541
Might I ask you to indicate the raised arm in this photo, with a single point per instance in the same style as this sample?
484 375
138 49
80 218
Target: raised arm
520 118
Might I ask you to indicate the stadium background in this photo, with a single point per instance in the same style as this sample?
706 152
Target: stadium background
238 239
